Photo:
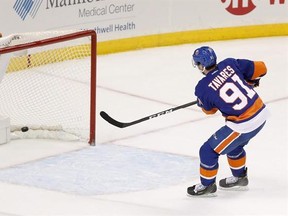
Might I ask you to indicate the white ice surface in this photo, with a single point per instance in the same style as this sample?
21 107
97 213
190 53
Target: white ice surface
136 84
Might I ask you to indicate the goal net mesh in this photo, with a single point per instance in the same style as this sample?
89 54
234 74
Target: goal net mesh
47 84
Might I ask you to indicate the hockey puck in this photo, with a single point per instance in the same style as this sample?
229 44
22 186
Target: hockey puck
24 129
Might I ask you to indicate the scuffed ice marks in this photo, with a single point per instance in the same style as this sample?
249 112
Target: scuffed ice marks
104 169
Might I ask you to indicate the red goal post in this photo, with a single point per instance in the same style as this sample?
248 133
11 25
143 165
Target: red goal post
45 80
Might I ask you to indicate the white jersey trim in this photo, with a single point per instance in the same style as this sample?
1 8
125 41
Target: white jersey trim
250 125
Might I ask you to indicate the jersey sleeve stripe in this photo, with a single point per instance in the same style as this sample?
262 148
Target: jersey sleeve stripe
259 69
209 112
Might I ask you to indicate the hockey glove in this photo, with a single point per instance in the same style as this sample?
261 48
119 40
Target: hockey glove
254 83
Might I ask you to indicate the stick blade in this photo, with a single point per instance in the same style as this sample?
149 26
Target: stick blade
112 121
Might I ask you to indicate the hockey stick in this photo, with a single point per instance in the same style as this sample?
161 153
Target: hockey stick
116 123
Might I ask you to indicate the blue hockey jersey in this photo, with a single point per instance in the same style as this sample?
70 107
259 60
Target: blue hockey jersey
227 89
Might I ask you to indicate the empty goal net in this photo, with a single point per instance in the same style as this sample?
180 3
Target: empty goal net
48 87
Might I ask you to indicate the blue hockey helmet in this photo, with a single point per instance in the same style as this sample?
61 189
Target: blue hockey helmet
204 56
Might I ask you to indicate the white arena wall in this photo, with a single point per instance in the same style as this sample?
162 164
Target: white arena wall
133 24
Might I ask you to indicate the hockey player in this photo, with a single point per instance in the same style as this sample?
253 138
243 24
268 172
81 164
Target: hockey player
228 86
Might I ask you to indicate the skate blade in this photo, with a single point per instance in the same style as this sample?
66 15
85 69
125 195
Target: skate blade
235 188
209 195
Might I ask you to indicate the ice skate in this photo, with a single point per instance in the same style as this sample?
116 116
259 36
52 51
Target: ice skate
236 183
201 190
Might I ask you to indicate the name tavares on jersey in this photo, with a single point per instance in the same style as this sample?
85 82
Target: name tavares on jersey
220 79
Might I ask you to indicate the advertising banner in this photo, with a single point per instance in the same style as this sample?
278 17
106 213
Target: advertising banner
116 19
